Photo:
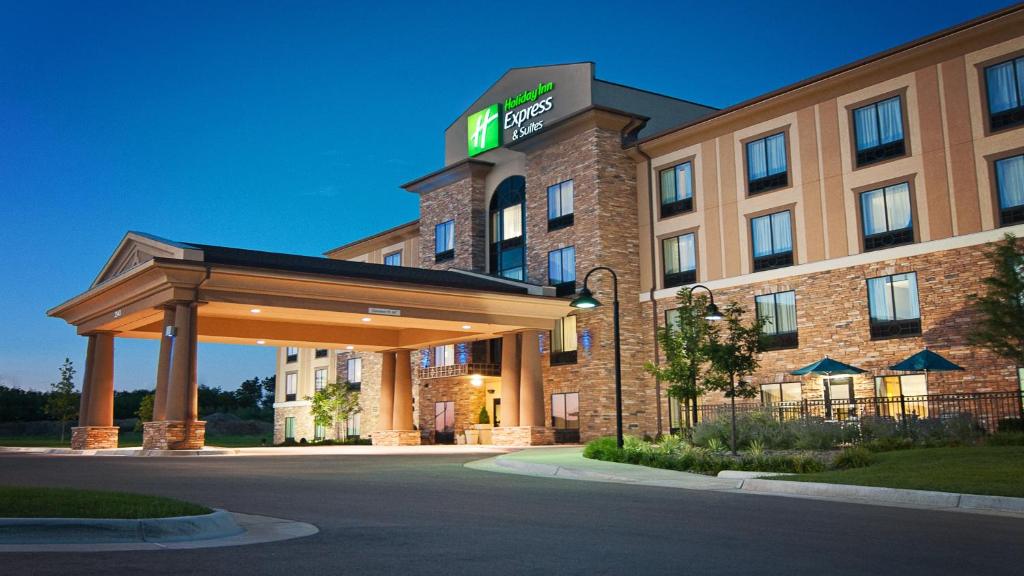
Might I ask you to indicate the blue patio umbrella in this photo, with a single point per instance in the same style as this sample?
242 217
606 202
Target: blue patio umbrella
926 361
827 367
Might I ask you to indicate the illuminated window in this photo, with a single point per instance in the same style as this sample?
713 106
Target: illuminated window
444 355
679 259
291 385
565 417
560 208
564 341
562 270
319 379
676 188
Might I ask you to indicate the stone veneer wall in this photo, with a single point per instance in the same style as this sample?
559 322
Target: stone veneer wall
468 401
832 319
462 201
604 233
369 389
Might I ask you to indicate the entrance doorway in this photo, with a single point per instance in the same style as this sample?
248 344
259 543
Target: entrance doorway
444 422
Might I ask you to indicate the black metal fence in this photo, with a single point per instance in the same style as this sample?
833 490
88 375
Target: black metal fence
987 409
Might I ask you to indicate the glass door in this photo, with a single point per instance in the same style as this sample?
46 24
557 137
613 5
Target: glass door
444 422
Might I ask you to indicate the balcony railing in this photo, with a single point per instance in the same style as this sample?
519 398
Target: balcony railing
987 409
455 370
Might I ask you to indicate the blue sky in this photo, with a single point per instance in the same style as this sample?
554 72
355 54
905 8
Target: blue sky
288 126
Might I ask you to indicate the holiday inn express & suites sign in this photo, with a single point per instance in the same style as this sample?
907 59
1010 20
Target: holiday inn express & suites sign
516 117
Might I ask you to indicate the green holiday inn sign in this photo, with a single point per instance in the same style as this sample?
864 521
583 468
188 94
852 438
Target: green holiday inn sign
485 127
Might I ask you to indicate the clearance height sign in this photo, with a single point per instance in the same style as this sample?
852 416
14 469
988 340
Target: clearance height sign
519 115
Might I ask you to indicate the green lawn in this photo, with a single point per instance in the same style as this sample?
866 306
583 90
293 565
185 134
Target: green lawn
129 440
24 502
994 470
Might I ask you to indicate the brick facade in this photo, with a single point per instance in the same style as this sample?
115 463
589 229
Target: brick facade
93 437
464 202
167 435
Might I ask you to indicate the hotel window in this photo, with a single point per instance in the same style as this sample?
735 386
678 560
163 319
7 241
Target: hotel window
565 417
676 185
879 131
444 241
354 370
780 393
672 319
892 302
779 312
508 219
291 354
772 238
352 425
902 395
319 432
679 259
319 379
766 164
444 355
1005 87
320 353
289 428
562 270
887 217
840 391
1010 184
564 341
560 209
393 259
291 386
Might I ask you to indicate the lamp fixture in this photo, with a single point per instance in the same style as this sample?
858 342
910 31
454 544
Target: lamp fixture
261 342
466 326
476 380
367 319
255 310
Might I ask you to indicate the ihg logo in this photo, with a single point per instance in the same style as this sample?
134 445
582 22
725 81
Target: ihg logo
483 130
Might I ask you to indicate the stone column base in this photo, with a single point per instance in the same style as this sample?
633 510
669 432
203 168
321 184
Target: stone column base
396 438
93 437
522 436
173 435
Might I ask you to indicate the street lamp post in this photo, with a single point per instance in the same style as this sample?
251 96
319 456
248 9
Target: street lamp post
710 313
586 300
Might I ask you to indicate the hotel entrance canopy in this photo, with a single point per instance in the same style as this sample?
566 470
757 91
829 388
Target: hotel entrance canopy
184 293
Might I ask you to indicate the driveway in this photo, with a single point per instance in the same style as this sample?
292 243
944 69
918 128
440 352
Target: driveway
427 514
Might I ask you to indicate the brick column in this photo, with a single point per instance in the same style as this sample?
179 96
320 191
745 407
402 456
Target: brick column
510 379
180 429
96 422
402 419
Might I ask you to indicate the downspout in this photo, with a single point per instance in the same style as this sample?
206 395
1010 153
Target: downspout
654 264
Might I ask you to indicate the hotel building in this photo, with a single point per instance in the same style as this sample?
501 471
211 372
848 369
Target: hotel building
852 209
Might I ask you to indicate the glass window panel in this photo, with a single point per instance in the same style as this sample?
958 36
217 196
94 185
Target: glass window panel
558 410
790 391
553 202
766 309
776 150
890 121
897 201
566 192
319 379
684 181
771 393
880 299
873 212
512 222
291 381
839 388
495 228
568 333
904 288
668 186
782 236
569 264
572 410
670 250
914 385
1010 180
785 311
554 267
761 230
672 319
866 125
355 370
1002 92
757 162
687 256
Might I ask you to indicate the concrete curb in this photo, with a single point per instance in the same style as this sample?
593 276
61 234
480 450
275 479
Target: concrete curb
746 475
119 452
218 524
538 469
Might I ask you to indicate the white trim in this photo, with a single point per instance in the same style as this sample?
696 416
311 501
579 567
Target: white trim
292 404
861 259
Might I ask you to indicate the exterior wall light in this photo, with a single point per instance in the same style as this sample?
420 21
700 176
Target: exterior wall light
476 380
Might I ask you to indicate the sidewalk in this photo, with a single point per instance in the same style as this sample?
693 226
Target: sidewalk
569 464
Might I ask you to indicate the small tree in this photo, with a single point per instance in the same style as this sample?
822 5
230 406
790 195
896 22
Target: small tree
733 350
483 418
333 404
62 403
684 343
145 411
1000 327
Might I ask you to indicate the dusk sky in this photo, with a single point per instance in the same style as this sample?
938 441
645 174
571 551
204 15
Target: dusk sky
289 126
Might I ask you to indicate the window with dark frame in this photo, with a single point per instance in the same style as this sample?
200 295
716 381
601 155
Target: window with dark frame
878 130
679 260
319 379
886 217
320 353
393 259
562 270
444 241
893 306
1010 188
779 311
564 341
780 393
766 164
291 354
508 229
289 428
1004 83
560 205
772 239
565 417
676 189
291 386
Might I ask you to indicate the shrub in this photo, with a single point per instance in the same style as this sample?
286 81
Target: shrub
1011 425
1002 438
756 448
854 457
716 445
604 449
889 444
817 434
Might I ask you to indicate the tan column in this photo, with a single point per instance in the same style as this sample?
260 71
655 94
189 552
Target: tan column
192 402
531 382
402 419
163 368
83 406
387 391
510 380
101 392
183 376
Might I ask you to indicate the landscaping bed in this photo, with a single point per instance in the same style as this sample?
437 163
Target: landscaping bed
31 502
